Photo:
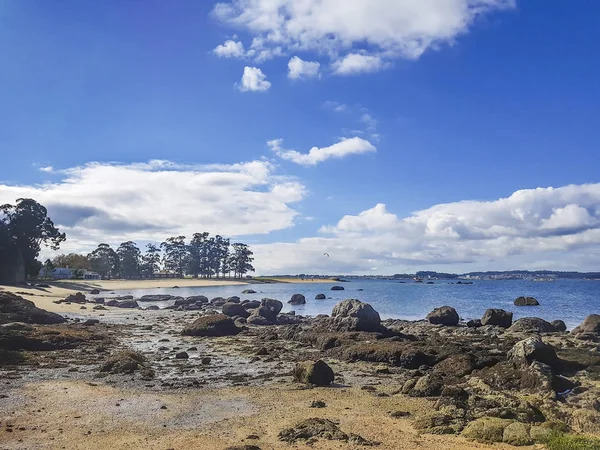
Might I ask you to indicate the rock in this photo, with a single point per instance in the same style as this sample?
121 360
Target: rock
486 429
99 300
313 428
95 291
211 326
475 323
218 301
526 301
75 298
256 319
591 324
320 297
497 317
99 308
182 355
251 304
354 315
309 372
112 303
235 309
233 299
90 322
205 361
337 288
124 362
318 404
559 325
445 315
269 308
127 304
16 309
517 434
532 349
193 300
153 298
531 325
427 386
297 299
242 447
152 308
248 291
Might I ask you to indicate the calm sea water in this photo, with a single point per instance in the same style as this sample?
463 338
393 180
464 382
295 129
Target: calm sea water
567 300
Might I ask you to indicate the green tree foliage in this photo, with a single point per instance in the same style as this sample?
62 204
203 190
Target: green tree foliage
129 260
197 261
24 228
150 261
48 268
175 254
105 261
72 261
241 260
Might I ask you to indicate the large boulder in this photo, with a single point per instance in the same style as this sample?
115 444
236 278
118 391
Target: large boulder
75 298
218 301
155 298
532 349
320 297
354 315
257 319
532 325
212 325
269 308
309 372
194 299
337 288
127 304
497 317
445 315
234 309
591 324
526 301
559 325
297 299
251 304
16 309
248 291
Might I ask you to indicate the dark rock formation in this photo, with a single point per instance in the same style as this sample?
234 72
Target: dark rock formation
212 325
559 325
353 315
445 315
297 299
309 372
16 309
235 309
154 298
320 297
532 325
526 301
248 291
497 317
337 288
532 349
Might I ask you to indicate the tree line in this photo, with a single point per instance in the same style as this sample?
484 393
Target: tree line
203 256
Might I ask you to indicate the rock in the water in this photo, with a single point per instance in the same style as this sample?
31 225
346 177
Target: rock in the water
532 349
532 325
320 297
337 288
16 309
192 300
248 291
269 308
354 315
309 372
235 309
127 304
155 298
591 324
95 291
559 325
445 315
297 299
526 301
497 317
212 325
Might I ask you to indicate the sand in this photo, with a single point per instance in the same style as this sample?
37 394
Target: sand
79 415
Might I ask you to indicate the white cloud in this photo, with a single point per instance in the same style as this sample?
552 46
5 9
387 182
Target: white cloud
300 69
336 106
387 29
552 228
356 63
254 80
345 147
230 49
47 169
108 202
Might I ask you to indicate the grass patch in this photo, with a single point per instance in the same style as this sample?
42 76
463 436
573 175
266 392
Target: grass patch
561 441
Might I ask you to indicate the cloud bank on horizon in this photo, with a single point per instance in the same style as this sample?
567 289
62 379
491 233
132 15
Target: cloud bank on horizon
110 202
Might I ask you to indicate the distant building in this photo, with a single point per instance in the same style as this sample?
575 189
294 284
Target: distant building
165 274
89 275
62 273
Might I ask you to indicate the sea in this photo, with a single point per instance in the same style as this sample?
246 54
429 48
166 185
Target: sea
567 300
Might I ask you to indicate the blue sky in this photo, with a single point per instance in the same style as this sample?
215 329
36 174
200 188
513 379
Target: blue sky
439 104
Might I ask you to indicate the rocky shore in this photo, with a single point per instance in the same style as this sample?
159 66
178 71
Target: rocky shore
232 373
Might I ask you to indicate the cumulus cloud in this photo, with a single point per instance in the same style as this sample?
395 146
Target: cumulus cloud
345 147
300 69
254 80
386 29
356 63
104 202
557 227
230 49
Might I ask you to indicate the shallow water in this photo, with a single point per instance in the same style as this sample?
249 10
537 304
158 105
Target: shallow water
568 300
